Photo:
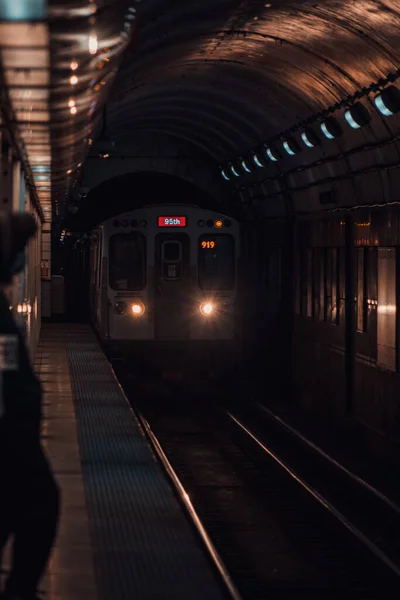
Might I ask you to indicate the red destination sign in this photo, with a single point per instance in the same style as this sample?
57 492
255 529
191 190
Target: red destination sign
172 221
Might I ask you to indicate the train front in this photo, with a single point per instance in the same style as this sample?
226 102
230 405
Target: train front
172 290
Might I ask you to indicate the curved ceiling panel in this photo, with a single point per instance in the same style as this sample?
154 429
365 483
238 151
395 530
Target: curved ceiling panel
87 42
245 70
58 59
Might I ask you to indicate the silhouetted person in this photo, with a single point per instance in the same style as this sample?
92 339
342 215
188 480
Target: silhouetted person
29 497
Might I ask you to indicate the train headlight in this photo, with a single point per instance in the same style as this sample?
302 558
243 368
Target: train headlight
138 309
206 309
120 308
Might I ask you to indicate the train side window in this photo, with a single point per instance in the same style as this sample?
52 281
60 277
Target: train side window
387 308
342 285
216 262
360 290
127 263
335 285
371 296
316 282
328 285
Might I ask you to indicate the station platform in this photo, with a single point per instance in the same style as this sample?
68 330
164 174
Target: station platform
123 534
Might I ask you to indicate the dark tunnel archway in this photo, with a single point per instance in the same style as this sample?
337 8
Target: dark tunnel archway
128 192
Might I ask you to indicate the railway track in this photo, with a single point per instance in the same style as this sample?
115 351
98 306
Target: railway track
365 511
277 530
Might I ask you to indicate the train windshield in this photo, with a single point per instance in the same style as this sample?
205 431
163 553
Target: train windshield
127 259
216 262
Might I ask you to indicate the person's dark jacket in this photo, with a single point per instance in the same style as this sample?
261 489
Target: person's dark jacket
21 389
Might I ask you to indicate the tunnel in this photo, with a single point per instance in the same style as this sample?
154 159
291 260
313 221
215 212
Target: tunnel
280 120
207 96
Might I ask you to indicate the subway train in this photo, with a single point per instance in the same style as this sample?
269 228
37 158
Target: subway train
163 286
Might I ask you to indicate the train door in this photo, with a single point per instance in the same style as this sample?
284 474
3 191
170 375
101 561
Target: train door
172 305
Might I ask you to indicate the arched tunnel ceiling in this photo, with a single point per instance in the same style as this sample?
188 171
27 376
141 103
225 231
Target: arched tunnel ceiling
225 76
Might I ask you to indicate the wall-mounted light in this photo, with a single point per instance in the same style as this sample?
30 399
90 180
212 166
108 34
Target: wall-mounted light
234 171
257 161
73 80
224 175
310 138
331 128
272 153
291 146
357 116
388 101
245 166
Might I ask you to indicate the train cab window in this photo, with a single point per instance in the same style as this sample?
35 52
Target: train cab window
127 259
171 259
216 262
171 251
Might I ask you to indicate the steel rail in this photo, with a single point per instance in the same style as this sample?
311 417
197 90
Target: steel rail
320 499
191 511
330 459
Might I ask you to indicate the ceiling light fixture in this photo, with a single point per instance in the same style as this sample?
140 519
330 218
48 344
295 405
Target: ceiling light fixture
245 166
257 161
310 138
291 146
331 128
388 101
234 171
357 116
273 154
